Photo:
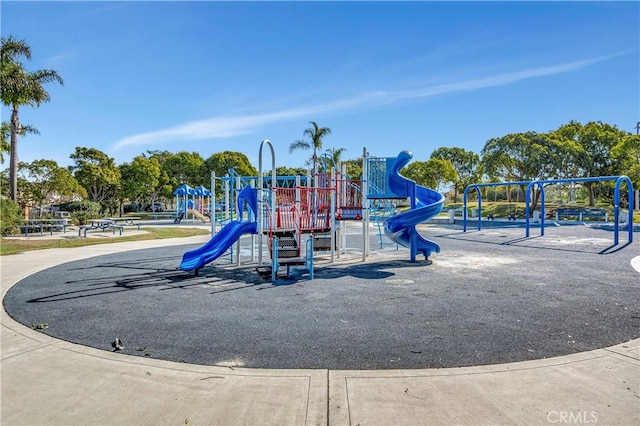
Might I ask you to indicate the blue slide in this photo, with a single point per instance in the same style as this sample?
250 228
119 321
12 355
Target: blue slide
223 240
426 203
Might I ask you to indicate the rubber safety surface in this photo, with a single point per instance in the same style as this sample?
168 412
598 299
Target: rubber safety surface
488 297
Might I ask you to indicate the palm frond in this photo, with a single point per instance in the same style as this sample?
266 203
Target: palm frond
299 144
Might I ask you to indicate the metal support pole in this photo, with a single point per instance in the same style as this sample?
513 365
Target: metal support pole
238 217
414 232
332 194
365 206
227 189
274 259
252 217
212 205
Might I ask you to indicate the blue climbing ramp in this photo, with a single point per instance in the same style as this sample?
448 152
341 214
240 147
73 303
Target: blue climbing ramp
228 235
425 204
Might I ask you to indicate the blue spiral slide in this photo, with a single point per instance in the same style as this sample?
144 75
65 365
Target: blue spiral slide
228 235
425 204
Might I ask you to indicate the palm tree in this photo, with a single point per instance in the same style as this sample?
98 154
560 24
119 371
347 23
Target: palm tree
20 87
336 155
313 141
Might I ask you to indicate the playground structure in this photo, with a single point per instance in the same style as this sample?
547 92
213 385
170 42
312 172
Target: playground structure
194 260
193 201
540 216
307 211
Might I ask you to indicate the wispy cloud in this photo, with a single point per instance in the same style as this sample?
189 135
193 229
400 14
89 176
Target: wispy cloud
498 80
228 126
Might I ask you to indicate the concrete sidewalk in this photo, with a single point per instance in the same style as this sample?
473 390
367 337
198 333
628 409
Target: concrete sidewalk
48 381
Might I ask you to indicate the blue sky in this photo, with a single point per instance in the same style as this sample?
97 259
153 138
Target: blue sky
391 76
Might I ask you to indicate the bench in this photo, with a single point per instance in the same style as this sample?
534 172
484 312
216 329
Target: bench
592 212
118 227
582 213
511 217
157 216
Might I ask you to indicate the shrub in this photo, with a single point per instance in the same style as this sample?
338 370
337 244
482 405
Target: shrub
82 211
11 217
134 207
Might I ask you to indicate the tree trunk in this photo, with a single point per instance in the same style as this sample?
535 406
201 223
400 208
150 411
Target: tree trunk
314 171
13 161
535 196
592 198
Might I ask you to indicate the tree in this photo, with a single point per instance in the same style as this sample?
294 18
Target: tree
597 141
353 168
314 137
564 157
336 156
466 164
290 171
139 180
184 167
517 157
10 217
96 172
163 190
19 87
433 173
5 142
626 155
221 162
442 172
45 179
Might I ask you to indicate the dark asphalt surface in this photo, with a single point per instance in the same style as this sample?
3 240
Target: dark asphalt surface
490 296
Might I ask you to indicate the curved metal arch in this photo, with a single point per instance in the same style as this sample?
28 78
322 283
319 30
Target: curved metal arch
616 208
477 186
260 194
616 201
540 183
464 205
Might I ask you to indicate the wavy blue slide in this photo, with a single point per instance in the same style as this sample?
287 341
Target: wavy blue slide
223 240
401 228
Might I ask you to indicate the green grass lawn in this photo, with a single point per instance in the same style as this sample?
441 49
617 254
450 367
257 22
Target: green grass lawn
11 246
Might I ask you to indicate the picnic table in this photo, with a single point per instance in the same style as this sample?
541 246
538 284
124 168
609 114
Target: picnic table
125 220
112 223
42 224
